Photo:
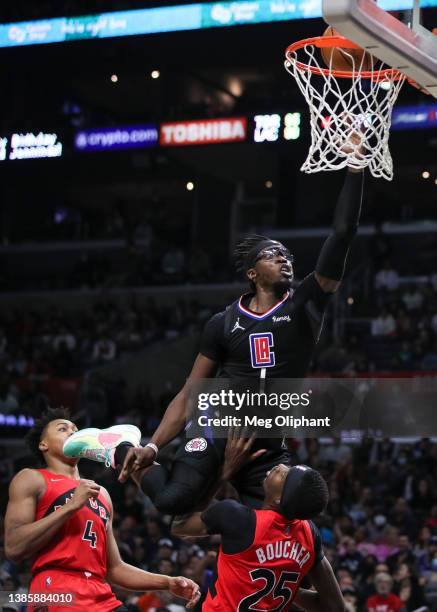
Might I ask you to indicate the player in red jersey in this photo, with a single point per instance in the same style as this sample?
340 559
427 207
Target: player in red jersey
64 524
266 553
384 600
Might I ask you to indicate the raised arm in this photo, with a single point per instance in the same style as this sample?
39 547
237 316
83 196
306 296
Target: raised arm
24 536
172 422
332 259
327 597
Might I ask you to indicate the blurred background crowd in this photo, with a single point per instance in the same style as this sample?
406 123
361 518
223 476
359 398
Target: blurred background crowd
379 530
392 329
112 261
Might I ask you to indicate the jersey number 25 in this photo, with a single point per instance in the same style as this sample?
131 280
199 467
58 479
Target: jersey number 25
279 588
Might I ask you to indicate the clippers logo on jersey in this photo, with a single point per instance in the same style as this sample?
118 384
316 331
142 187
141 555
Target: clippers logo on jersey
261 351
196 445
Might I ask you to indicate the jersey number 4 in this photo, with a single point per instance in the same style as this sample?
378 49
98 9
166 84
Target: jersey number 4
89 535
278 587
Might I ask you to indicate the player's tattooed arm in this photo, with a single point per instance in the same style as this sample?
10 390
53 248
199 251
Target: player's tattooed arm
172 422
132 578
24 536
327 597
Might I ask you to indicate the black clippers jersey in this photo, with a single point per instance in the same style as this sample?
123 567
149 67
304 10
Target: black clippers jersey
281 340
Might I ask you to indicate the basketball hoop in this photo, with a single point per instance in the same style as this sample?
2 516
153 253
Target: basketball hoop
350 110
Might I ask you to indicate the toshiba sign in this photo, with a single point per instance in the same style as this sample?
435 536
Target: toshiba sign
210 131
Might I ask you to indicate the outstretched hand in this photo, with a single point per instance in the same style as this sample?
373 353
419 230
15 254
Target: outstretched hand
136 459
185 588
351 139
238 452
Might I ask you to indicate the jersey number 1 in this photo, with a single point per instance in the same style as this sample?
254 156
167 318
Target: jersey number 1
278 587
89 535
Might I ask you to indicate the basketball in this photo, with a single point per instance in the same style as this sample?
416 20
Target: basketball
341 59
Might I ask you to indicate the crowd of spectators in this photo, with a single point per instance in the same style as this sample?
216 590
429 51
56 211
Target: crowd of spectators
397 329
58 343
36 346
406 314
133 266
379 530
142 219
123 247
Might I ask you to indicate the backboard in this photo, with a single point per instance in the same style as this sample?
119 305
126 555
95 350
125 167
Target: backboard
411 48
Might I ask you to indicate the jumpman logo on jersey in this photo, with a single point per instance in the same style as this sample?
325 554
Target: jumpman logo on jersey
237 326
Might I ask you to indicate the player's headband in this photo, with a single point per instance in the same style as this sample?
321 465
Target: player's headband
252 256
290 493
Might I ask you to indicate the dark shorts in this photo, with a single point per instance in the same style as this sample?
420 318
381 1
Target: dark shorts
186 486
206 456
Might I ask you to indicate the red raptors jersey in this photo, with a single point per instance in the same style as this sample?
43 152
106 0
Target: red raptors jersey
80 544
381 603
266 575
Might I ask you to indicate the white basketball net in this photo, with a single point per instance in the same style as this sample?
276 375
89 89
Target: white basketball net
350 117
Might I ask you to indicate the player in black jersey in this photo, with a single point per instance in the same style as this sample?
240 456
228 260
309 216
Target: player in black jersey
269 332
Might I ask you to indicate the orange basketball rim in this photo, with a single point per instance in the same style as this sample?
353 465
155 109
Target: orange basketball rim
320 42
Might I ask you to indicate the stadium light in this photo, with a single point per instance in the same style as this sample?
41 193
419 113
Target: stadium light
190 186
155 74
425 174
114 78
